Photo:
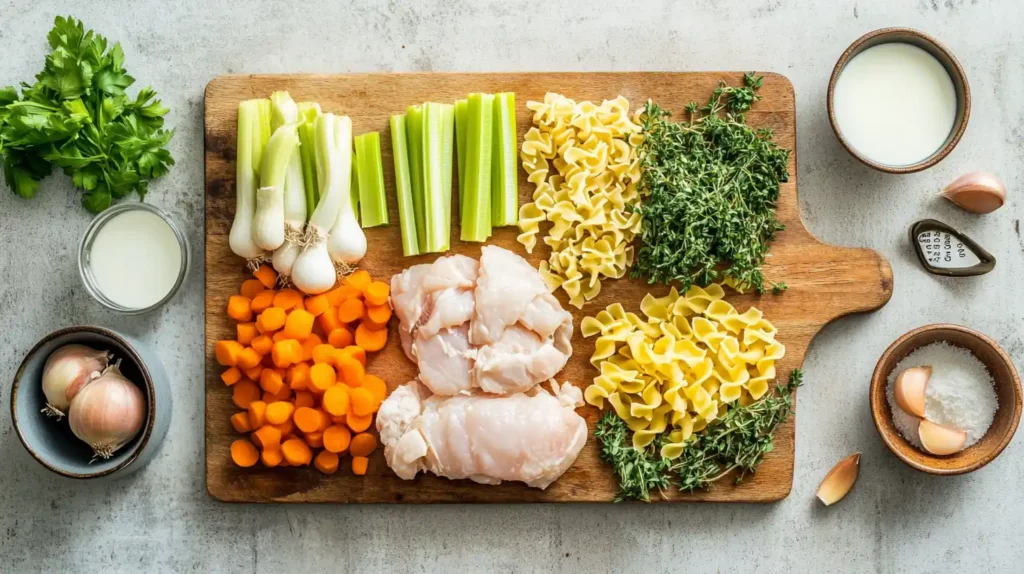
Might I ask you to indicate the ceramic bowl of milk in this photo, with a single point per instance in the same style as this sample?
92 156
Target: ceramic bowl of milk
133 258
898 100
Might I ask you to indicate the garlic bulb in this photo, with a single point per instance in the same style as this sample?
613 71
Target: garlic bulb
977 192
66 371
108 412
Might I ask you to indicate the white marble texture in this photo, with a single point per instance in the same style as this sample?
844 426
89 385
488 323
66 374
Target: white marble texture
896 520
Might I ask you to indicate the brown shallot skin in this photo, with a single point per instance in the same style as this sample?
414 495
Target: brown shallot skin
977 192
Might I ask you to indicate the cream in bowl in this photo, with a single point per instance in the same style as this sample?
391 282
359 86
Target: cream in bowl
133 258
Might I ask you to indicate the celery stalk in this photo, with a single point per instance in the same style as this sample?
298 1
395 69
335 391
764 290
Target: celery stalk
354 192
447 156
403 187
414 137
308 111
373 203
476 213
504 175
435 212
461 116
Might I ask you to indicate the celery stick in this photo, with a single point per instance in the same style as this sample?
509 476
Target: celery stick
354 187
414 137
373 203
308 111
461 116
504 176
447 156
403 187
476 215
436 229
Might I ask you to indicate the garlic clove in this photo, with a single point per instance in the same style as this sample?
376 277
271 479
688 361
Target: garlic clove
976 192
941 440
910 387
840 480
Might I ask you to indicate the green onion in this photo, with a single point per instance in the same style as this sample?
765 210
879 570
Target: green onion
437 216
261 133
403 187
504 176
373 203
461 117
308 111
354 191
414 133
475 216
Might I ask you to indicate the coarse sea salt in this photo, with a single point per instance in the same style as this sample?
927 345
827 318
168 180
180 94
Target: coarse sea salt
960 393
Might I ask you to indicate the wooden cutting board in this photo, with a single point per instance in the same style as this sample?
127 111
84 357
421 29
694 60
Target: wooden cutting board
825 282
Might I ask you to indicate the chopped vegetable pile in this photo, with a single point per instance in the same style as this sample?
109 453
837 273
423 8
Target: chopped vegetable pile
297 368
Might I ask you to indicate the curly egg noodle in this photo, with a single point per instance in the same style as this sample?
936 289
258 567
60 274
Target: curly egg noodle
678 370
593 151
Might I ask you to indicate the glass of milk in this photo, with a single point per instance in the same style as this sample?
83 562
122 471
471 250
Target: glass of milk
133 258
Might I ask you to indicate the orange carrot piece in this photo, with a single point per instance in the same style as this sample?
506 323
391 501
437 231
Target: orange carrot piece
241 422
227 352
239 308
283 395
360 464
337 438
231 376
244 453
286 428
328 321
335 400
378 315
270 320
249 358
363 444
246 332
297 376
304 399
296 452
340 338
244 393
257 414
351 370
263 301
279 411
308 344
263 344
299 324
315 439
271 457
357 353
358 423
285 352
266 275
351 310
338 294
267 437
360 280
323 353
317 304
288 299
376 293
254 373
362 401
371 340
307 419
270 381
321 377
251 288
326 462
377 387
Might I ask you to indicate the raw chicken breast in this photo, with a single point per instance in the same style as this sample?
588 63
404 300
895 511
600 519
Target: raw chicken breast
446 360
505 289
532 438
516 362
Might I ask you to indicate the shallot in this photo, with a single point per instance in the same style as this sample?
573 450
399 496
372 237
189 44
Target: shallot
66 371
108 412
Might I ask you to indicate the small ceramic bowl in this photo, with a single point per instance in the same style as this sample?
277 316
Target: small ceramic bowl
1008 390
948 61
52 443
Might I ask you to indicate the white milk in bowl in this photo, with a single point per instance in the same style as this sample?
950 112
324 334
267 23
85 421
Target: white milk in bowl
895 104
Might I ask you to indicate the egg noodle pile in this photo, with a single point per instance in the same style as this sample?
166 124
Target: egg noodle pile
596 170
682 366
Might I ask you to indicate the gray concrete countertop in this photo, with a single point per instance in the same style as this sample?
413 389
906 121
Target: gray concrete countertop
896 520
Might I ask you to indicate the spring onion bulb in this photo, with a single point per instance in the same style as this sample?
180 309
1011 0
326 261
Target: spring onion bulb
268 221
294 199
249 152
308 112
347 242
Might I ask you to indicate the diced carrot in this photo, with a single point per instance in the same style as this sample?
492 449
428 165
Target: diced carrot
308 344
267 437
351 310
338 294
335 400
338 420
340 338
284 394
268 360
315 439
263 301
246 332
288 299
360 280
254 373
328 321
257 414
377 387
297 376
299 324
376 293
307 419
326 462
296 452
317 304
363 444
239 308
227 352
279 336
363 402
279 411
271 381
286 352
271 457
357 353
241 422
263 344
323 353
266 275
270 320
268 397
337 438
378 315
244 453
325 419
244 393
360 464
358 423
286 428
231 376
249 358
371 340
251 288
351 370
321 377
304 399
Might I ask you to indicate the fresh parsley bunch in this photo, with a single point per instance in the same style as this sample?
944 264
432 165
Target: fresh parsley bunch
78 117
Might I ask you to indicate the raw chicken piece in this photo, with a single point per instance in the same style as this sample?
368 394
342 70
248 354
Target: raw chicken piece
506 287
420 297
446 360
516 361
530 438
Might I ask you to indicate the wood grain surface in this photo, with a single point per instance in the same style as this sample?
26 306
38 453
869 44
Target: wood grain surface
825 282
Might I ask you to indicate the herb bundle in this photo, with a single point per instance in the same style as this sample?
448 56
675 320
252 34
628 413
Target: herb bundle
713 184
738 442
78 117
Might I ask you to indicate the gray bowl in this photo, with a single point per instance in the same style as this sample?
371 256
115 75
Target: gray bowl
52 443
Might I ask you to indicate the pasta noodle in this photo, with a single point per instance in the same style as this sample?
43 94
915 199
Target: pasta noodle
586 196
679 368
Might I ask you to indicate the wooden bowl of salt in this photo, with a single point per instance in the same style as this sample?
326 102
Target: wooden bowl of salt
1006 385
